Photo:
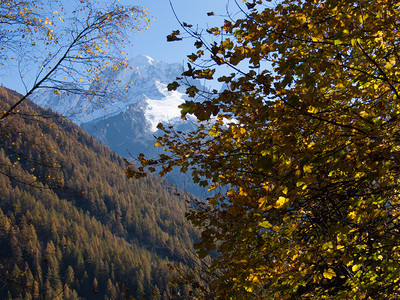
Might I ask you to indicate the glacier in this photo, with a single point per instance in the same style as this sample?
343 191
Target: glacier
147 80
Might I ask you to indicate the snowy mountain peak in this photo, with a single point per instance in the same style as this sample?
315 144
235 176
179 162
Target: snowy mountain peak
128 125
148 93
149 59
141 61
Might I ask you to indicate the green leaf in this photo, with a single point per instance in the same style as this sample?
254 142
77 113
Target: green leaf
173 86
192 91
338 42
187 107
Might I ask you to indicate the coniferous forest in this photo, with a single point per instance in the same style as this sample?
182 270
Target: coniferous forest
300 148
72 225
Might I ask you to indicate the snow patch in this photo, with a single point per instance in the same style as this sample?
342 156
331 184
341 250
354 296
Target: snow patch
163 110
150 60
148 94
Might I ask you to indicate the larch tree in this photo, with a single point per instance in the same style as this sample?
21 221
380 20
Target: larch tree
70 48
305 140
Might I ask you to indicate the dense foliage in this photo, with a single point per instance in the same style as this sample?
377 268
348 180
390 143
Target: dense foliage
72 225
305 140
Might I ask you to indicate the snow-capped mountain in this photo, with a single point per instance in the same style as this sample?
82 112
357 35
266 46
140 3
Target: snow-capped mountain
148 80
127 125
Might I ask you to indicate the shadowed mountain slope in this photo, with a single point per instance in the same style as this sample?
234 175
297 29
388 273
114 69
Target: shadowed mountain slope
72 225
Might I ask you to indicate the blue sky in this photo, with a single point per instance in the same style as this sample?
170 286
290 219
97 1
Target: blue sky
153 42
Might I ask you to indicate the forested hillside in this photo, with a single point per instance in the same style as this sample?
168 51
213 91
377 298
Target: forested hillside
72 225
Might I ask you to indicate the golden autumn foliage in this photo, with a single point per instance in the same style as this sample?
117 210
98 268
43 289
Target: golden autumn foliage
305 140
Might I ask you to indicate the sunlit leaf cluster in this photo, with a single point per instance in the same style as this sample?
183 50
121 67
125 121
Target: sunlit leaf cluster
304 145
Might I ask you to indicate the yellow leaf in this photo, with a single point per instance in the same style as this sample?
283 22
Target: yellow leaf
249 289
352 215
340 247
301 18
157 144
312 110
363 114
265 224
327 245
329 274
337 42
307 169
300 183
317 38
355 268
310 145
281 202
212 187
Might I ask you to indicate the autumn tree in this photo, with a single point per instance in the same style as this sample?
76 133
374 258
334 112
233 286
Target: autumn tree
66 48
305 140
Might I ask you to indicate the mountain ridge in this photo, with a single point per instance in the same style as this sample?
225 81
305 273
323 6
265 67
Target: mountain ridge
145 82
128 126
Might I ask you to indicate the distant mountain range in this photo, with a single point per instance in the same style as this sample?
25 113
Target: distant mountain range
127 125
148 94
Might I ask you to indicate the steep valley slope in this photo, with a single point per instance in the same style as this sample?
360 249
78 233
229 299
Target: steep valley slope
72 225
